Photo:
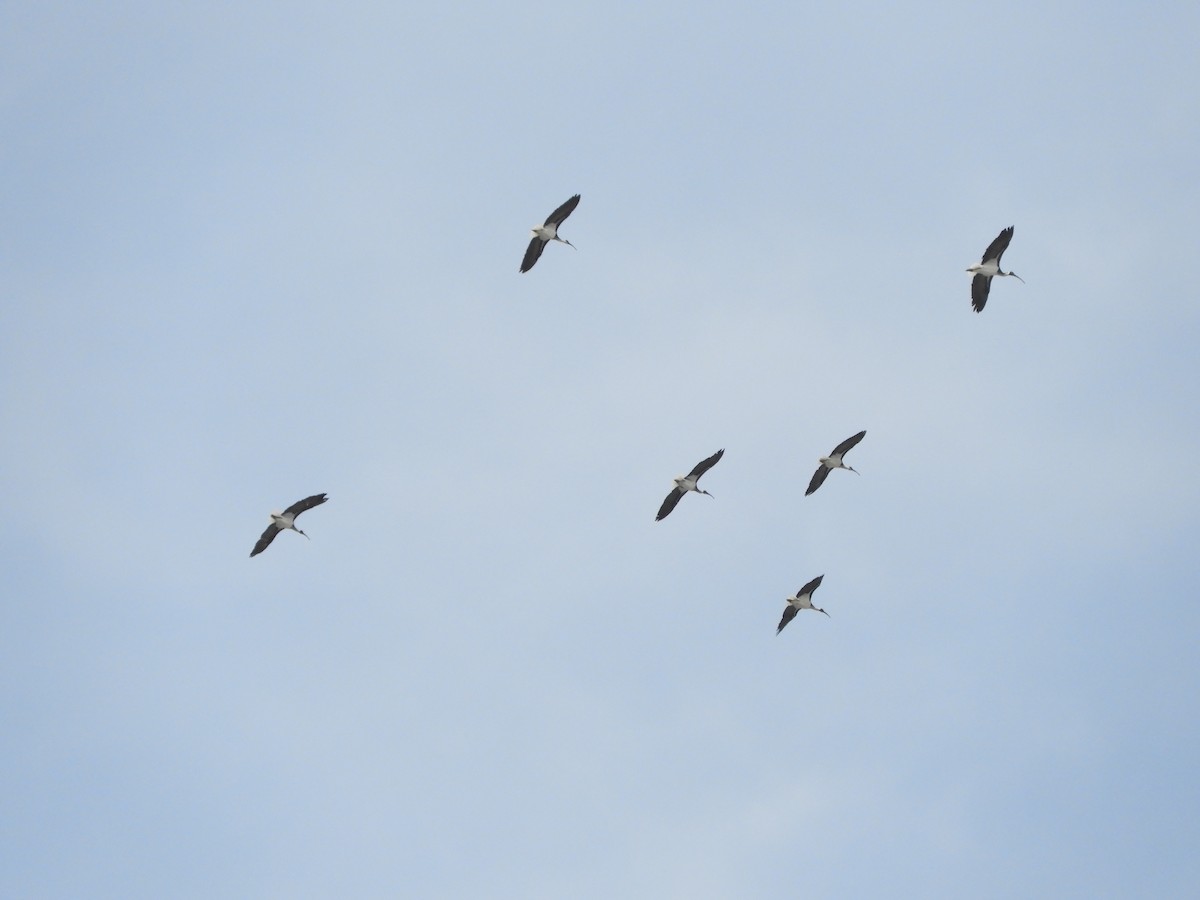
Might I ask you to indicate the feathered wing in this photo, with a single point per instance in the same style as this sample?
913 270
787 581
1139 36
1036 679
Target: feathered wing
810 587
846 445
789 613
307 503
818 479
980 285
669 504
997 247
703 466
265 541
556 218
532 254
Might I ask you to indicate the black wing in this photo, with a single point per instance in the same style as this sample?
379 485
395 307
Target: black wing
848 443
265 541
789 613
556 218
818 479
997 247
810 587
980 285
532 253
669 504
702 467
307 503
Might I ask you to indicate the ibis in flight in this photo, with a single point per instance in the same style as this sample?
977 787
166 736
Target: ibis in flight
833 461
547 232
802 600
285 520
988 268
685 483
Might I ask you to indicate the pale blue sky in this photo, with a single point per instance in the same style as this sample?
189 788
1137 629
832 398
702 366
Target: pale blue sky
255 251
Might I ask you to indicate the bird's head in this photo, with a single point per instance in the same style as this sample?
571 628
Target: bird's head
1018 277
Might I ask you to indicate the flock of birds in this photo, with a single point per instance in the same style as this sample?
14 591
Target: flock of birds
802 599
540 236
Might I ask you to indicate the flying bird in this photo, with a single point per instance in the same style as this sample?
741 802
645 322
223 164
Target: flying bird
833 461
685 483
988 268
802 600
544 234
285 520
